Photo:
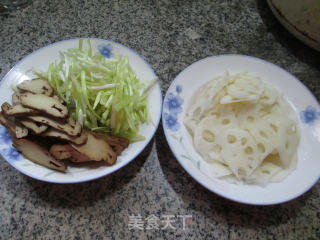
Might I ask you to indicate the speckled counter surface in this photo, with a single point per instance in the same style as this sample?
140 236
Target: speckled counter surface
170 35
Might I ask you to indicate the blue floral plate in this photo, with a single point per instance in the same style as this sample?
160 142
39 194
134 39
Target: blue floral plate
40 60
303 102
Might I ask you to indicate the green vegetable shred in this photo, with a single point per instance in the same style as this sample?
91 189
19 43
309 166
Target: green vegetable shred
103 94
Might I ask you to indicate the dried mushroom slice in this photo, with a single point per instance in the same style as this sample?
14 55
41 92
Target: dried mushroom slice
60 100
16 98
14 128
118 144
17 110
71 127
97 150
37 85
63 136
6 124
3 120
5 107
124 142
75 125
20 131
35 127
68 152
48 105
117 148
61 151
38 154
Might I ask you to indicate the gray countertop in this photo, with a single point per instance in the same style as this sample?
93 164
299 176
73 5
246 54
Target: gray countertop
170 35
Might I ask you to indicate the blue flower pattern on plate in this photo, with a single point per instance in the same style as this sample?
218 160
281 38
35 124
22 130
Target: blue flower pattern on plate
171 121
173 106
5 137
105 50
10 153
310 115
173 103
178 88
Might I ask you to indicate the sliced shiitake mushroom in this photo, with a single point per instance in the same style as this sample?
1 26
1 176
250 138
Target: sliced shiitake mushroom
15 129
48 105
3 120
17 110
16 98
117 148
51 132
38 154
37 85
20 131
11 128
71 127
61 151
124 142
118 144
35 127
97 150
66 151
37 108
60 100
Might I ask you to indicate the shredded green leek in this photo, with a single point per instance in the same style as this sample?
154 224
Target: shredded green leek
103 94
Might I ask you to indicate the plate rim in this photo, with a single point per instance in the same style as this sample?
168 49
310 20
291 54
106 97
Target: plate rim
190 172
291 28
121 165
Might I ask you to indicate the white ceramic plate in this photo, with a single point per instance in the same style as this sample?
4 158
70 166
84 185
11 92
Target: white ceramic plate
303 102
40 60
